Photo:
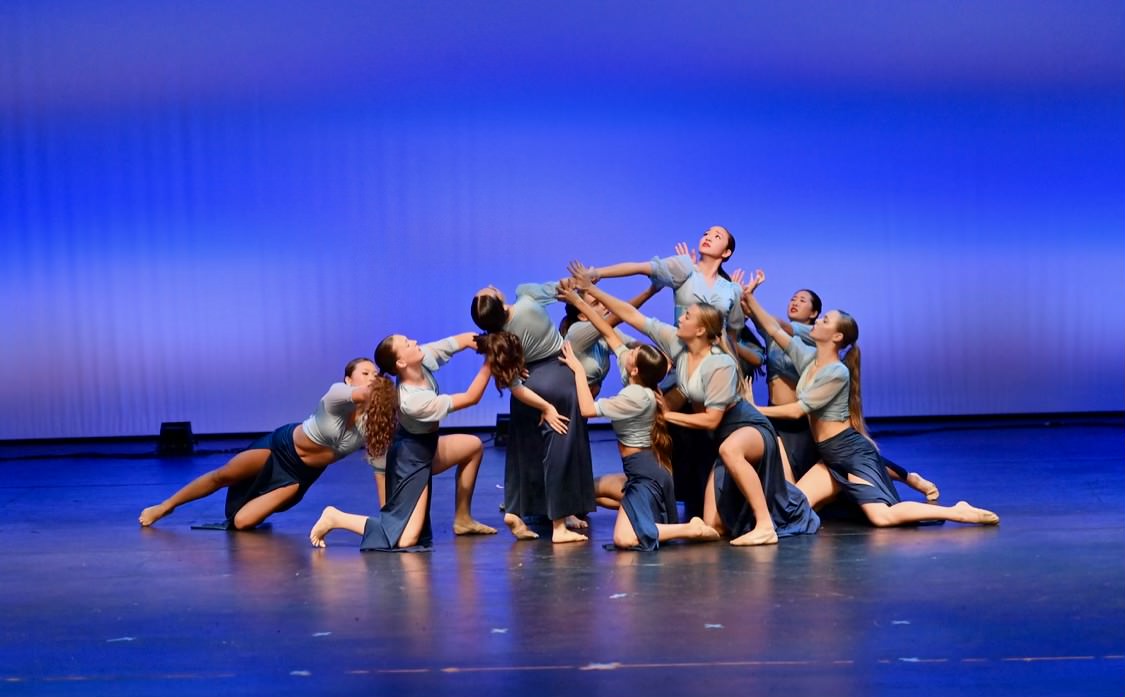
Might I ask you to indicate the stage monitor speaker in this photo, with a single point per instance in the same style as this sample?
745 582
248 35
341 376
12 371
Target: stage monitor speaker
175 438
502 422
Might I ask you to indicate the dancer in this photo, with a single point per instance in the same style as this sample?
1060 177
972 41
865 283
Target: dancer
276 470
546 470
588 343
647 514
828 392
417 452
748 496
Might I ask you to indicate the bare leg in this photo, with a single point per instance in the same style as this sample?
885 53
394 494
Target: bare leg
785 466
258 509
560 534
608 490
711 515
333 518
624 536
882 515
244 465
466 452
381 487
519 528
737 452
818 486
694 530
413 530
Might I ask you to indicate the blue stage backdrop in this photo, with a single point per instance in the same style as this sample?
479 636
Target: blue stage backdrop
208 208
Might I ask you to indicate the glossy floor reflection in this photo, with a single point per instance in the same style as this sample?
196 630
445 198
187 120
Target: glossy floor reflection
92 604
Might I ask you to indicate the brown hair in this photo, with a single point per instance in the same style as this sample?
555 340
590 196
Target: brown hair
380 413
847 326
715 327
504 351
652 366
730 248
353 364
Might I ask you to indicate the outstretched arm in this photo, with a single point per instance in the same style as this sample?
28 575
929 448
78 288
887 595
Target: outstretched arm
623 310
585 397
763 319
473 395
707 420
604 326
628 268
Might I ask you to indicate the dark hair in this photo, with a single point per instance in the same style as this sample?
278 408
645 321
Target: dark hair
569 319
652 366
353 364
488 313
816 304
748 337
385 357
730 246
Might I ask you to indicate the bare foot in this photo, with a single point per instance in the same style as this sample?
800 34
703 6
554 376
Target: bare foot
923 486
702 531
756 537
575 523
324 525
153 513
971 514
519 528
563 535
472 527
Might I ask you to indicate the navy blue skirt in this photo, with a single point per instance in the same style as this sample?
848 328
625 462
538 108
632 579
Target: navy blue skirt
283 468
799 444
649 498
787 504
850 453
409 471
546 473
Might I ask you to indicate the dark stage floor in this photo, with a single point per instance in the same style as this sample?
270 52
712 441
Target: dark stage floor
93 604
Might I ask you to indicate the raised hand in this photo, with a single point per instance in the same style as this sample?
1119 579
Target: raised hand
682 250
738 277
583 276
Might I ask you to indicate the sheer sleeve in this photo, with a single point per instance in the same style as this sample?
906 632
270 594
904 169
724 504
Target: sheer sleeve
338 398
437 353
665 337
582 335
736 319
541 293
425 405
671 272
800 353
720 381
826 385
629 402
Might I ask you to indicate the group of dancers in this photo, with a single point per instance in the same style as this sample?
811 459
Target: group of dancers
686 425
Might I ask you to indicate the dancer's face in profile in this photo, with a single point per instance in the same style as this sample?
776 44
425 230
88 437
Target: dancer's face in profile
407 351
825 328
715 243
362 375
690 325
801 308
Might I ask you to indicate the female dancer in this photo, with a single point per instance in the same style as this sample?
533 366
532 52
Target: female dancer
803 309
546 470
647 514
417 451
274 473
589 344
829 393
759 505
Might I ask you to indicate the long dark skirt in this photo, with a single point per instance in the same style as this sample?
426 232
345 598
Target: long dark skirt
799 444
850 453
283 468
787 505
409 471
546 473
649 498
693 456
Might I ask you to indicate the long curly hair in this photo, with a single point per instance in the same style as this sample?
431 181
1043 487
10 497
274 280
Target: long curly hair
380 413
503 349
652 366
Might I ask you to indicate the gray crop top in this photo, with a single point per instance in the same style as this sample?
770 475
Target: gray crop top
592 350
691 288
824 395
630 412
714 384
778 363
328 425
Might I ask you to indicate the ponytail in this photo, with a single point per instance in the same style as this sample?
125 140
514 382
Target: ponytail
380 416
855 400
661 438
